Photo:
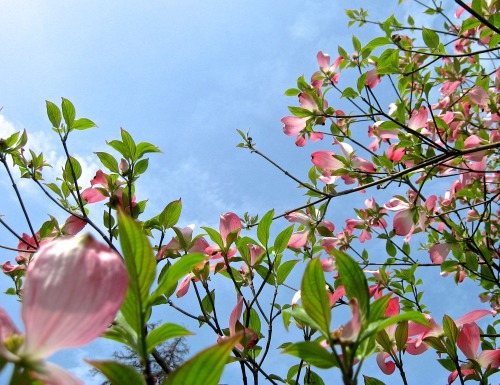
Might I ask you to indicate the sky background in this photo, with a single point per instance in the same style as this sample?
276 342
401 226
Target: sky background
183 75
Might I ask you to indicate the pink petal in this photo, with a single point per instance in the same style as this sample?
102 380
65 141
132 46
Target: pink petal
293 125
92 195
297 217
184 286
325 160
372 79
439 252
468 340
489 357
99 178
479 96
298 239
72 292
403 222
419 120
323 60
386 367
228 222
235 316
73 225
473 316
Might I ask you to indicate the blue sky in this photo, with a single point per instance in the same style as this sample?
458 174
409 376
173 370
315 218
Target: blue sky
184 76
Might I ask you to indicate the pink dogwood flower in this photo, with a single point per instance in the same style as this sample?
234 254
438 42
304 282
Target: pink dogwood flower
73 289
468 342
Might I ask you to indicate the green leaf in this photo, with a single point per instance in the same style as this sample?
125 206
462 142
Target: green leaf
141 166
53 113
285 269
349 93
214 236
264 228
401 335
314 297
450 329
376 326
354 281
121 148
282 240
144 148
292 92
171 214
168 281
69 113
72 171
129 143
388 62
117 373
312 353
83 124
206 366
431 38
141 267
164 333
372 381
108 161
300 315
378 42
378 307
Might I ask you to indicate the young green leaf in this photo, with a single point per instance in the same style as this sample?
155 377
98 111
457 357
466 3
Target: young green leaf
263 229
171 214
312 353
118 373
164 333
53 113
69 113
206 367
354 281
141 267
314 297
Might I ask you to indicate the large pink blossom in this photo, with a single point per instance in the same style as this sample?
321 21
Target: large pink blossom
72 292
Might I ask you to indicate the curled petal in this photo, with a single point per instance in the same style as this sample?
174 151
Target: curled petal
72 292
184 286
298 239
293 125
73 225
387 367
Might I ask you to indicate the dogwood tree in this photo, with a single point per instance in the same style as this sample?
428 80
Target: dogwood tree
409 118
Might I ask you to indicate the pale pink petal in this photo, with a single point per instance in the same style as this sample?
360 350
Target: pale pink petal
351 330
323 60
51 374
403 222
419 120
72 292
255 253
297 217
315 136
328 264
479 96
293 125
296 298
489 357
298 239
